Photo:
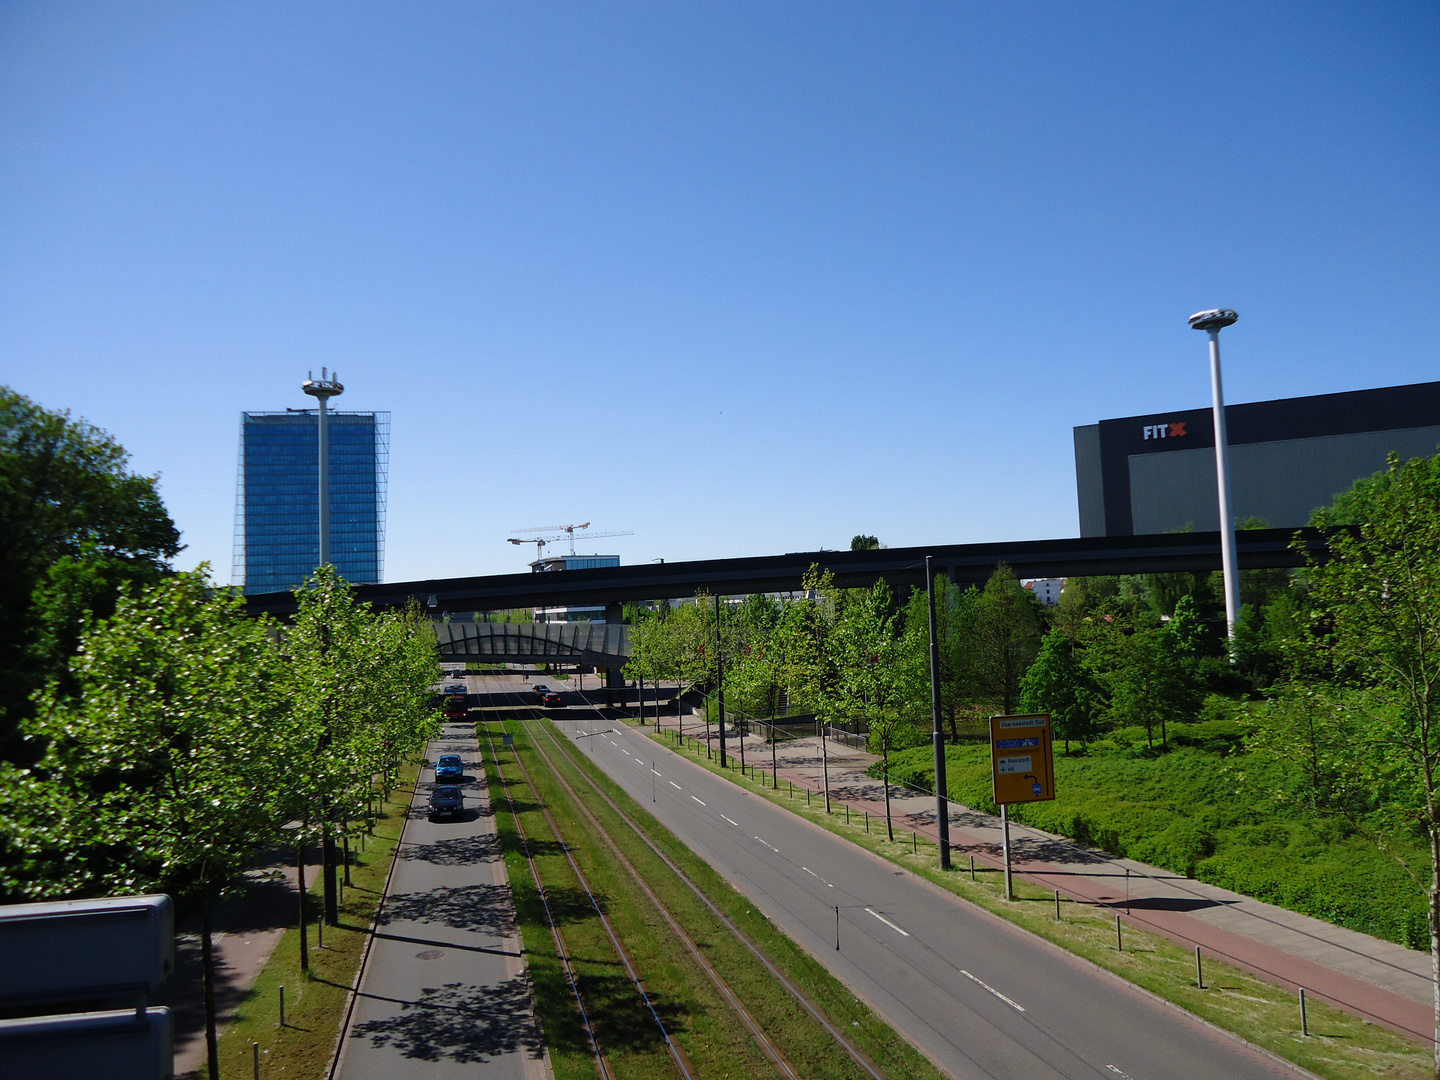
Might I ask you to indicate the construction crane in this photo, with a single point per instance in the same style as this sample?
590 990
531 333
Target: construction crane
561 532
538 541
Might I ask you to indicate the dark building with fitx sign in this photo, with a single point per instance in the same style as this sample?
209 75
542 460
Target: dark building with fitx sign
1156 473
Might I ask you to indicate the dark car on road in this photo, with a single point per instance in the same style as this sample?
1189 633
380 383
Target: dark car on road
553 699
540 690
446 801
449 769
455 707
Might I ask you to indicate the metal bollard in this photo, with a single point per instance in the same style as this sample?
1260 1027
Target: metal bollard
282 1006
1057 905
255 1053
1304 1023
1199 971
972 867
1119 941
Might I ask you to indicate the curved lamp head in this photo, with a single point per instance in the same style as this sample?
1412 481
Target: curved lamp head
1214 319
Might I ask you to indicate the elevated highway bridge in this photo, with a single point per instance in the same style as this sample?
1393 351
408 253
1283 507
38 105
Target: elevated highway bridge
901 567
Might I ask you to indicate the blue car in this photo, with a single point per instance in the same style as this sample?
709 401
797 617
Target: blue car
449 768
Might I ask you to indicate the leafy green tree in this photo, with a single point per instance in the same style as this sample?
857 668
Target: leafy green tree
863 647
755 663
65 491
864 543
1377 605
161 770
357 683
676 645
805 631
1149 683
1084 598
1058 684
956 628
1008 624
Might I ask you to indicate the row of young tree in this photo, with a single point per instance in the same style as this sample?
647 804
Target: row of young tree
862 655
1336 666
165 739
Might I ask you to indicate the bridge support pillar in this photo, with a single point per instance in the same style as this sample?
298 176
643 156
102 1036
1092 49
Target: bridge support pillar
614 613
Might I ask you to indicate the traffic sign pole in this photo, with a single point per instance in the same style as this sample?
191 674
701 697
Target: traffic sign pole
1005 825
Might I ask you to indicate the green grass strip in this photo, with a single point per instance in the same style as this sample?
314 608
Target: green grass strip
628 1035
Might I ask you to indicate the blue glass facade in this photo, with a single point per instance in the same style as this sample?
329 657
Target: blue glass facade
277 528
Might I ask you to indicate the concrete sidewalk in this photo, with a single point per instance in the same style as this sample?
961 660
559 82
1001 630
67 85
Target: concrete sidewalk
1363 975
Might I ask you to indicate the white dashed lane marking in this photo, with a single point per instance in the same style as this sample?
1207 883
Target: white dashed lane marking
816 876
771 846
672 783
1009 1001
732 821
700 801
891 925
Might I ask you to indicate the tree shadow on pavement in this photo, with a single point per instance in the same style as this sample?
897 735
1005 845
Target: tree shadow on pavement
485 909
1172 903
461 1023
1059 851
455 851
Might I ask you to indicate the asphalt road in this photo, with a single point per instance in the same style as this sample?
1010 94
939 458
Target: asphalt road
976 995
443 992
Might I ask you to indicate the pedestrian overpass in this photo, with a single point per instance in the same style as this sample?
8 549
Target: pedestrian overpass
603 646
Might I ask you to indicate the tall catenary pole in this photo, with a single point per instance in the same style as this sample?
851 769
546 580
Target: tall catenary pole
942 802
322 390
1212 322
719 681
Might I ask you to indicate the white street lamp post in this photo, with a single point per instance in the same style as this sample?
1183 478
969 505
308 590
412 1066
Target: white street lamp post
322 390
1212 322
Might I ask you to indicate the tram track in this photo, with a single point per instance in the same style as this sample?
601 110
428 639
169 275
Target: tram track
766 1044
677 1053
561 952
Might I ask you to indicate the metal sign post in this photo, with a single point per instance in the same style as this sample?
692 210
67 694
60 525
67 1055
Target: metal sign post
1023 765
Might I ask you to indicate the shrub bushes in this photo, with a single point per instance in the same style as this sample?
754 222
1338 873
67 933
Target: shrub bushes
1205 812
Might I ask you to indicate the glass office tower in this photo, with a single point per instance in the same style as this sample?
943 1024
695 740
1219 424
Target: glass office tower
277 509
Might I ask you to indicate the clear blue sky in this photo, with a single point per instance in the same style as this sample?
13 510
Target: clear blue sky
741 278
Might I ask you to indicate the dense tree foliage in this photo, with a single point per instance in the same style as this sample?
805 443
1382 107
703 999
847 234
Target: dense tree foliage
75 527
185 736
